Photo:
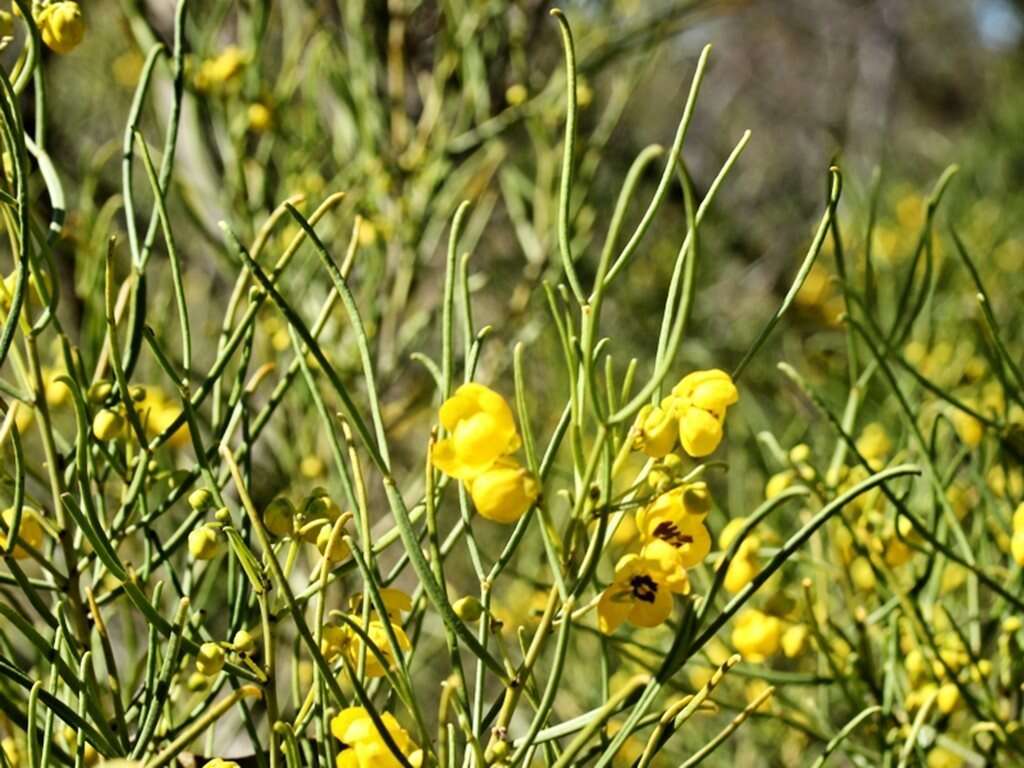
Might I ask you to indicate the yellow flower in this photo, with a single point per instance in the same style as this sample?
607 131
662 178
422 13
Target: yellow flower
756 635
61 26
677 518
700 401
9 746
220 70
874 444
793 640
481 430
743 567
30 531
210 659
861 574
655 431
642 589
742 571
158 411
396 602
948 698
1017 548
219 763
940 757
337 640
363 745
970 430
504 492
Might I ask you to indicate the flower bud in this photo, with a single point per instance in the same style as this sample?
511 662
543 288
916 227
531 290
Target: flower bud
319 504
338 548
200 499
468 608
210 659
203 543
197 682
504 492
107 424
259 117
99 392
243 642
278 517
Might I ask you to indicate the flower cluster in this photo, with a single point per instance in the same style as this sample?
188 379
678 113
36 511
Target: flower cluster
343 639
693 414
671 526
674 538
363 745
478 450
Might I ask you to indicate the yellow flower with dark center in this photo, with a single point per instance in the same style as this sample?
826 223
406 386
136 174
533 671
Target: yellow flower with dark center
363 745
700 401
504 492
642 589
61 26
677 518
481 430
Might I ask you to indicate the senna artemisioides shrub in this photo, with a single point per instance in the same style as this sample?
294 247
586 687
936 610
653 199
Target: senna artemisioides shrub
234 533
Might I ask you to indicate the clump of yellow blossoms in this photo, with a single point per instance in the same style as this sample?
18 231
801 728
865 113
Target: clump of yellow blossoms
363 745
671 526
694 414
61 26
482 436
338 640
